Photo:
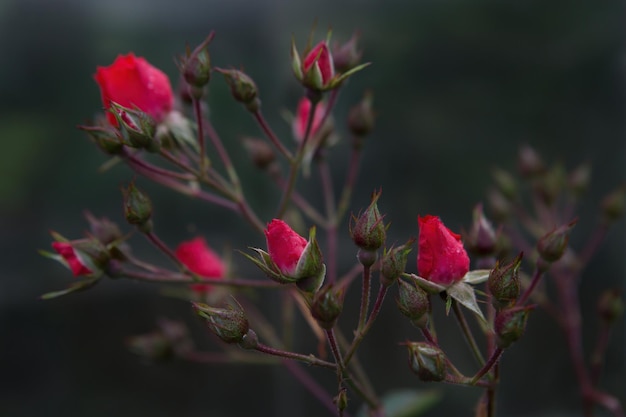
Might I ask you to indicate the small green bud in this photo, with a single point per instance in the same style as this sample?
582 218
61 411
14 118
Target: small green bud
242 87
229 324
551 246
427 361
138 128
529 162
196 67
137 206
394 263
504 284
368 230
505 183
413 302
107 138
510 324
327 305
481 238
614 204
361 116
611 305
341 400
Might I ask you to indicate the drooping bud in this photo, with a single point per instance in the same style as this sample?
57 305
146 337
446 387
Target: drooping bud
327 305
504 283
552 246
481 238
611 305
614 205
195 66
505 183
260 152
510 324
361 116
579 179
529 162
137 127
106 137
394 262
347 56
229 324
368 230
137 207
242 87
427 361
413 302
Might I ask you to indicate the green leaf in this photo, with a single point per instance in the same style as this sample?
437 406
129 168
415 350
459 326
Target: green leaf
77 286
406 403
464 294
476 276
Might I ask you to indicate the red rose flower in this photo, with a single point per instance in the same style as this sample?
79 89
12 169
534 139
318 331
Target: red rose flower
285 246
201 260
132 82
441 257
320 59
72 259
302 117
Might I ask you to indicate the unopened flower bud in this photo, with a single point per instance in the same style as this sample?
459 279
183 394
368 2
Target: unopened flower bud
196 65
103 229
505 183
504 284
368 230
394 263
242 87
579 179
106 137
529 162
138 128
614 204
327 305
427 361
481 238
552 246
137 206
499 205
413 302
510 324
361 116
260 152
341 400
611 305
346 56
229 324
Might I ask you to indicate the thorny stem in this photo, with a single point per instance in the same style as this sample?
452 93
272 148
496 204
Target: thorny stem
493 359
362 331
429 336
365 297
308 359
271 135
467 333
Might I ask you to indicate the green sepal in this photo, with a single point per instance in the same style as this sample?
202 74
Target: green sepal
464 294
265 264
75 287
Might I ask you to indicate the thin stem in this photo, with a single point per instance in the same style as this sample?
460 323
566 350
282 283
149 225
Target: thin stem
197 108
295 163
365 297
312 386
271 136
159 170
593 243
429 336
537 275
382 291
156 241
308 359
493 359
467 332
330 334
229 357
331 215
302 203
346 194
247 212
174 278
597 358
491 392
223 155
176 161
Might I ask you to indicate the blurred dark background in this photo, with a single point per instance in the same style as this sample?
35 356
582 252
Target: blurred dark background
458 86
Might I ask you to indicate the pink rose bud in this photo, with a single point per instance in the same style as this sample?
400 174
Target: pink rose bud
71 258
319 63
285 246
133 83
302 118
201 260
441 257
